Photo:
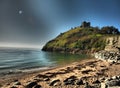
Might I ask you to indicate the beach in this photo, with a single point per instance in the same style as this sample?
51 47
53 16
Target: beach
74 75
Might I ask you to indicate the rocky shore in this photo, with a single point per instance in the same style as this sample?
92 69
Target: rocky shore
86 74
109 56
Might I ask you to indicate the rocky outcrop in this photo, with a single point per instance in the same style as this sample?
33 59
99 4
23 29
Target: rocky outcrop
113 44
109 56
113 82
111 52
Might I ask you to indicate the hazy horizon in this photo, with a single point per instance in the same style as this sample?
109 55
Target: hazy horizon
21 46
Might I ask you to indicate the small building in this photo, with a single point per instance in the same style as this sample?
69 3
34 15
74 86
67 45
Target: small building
85 24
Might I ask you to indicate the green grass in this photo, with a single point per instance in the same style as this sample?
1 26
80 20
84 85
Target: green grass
80 38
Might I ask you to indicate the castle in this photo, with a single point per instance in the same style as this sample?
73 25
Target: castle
85 24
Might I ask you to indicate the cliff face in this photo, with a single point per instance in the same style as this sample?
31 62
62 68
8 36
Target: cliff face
113 44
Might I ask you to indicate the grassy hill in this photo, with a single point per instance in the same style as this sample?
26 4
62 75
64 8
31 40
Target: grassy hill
81 40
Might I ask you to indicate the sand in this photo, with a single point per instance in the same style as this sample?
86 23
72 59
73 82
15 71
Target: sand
86 70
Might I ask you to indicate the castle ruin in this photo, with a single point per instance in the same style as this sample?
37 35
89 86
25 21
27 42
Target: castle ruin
85 24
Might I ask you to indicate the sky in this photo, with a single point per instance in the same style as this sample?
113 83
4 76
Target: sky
32 23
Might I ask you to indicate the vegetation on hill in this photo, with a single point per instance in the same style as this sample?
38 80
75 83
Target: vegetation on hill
81 39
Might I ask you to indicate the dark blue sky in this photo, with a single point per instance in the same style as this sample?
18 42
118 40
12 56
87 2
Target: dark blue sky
34 22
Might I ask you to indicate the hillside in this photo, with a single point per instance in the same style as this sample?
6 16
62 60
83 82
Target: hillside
82 39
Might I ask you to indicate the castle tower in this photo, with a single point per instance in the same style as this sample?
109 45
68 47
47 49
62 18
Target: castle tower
85 24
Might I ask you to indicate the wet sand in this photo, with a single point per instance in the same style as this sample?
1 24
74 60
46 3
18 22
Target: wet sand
68 76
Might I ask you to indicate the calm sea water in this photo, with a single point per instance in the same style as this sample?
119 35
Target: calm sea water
15 60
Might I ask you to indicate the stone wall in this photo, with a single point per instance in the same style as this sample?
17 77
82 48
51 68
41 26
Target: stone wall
85 24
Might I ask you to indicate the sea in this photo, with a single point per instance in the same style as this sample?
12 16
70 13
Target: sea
16 60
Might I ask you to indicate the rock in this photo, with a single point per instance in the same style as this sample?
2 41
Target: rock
110 56
86 77
92 65
96 86
104 69
79 67
103 85
41 76
109 79
16 80
46 79
87 85
102 66
50 74
96 82
38 86
31 84
100 73
114 77
13 87
79 82
68 69
102 79
6 84
113 81
118 77
54 82
38 79
17 83
70 80
86 71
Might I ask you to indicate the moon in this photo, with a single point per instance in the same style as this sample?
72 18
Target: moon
20 11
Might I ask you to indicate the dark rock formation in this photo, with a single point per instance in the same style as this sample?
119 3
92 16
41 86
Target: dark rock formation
13 87
31 84
113 82
87 85
96 82
70 80
79 82
55 82
86 71
38 86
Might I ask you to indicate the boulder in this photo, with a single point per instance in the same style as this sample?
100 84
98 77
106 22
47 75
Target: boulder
38 86
96 82
55 82
17 83
31 84
113 81
70 80
79 82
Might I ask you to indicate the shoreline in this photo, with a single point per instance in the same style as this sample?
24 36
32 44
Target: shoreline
93 69
11 76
